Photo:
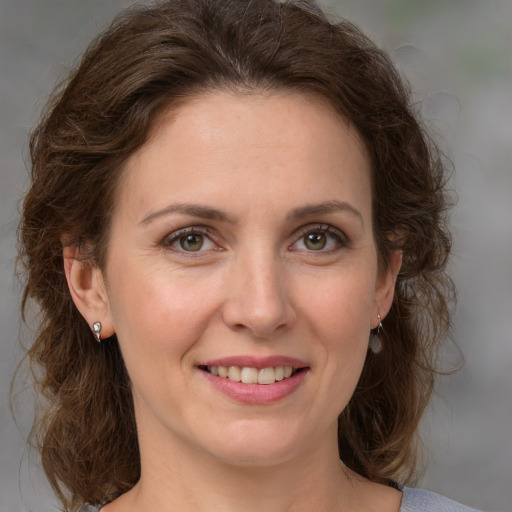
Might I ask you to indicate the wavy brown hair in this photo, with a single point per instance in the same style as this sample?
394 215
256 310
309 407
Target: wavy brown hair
147 61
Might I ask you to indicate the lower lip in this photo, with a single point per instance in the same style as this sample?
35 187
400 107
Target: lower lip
256 393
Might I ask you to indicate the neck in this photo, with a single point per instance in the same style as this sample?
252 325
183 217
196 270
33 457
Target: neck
182 478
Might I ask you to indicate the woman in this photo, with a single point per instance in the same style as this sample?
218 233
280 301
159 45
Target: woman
236 234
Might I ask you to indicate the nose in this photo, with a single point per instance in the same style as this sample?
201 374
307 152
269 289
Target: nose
258 298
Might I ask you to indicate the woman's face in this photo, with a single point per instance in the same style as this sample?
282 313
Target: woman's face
242 243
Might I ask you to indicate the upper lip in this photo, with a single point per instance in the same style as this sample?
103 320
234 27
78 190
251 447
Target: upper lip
256 362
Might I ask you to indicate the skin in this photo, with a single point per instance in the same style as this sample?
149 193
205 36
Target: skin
256 287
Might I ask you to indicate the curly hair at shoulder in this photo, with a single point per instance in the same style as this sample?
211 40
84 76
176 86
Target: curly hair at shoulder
150 60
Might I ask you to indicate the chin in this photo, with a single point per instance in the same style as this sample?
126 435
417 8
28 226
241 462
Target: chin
255 456
257 444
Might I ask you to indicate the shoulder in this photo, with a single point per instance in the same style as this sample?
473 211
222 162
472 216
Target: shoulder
419 500
413 500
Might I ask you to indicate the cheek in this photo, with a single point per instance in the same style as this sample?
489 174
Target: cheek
339 310
157 311
159 318
341 302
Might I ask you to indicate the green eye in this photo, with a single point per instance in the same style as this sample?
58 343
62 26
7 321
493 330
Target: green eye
315 241
191 243
321 238
189 240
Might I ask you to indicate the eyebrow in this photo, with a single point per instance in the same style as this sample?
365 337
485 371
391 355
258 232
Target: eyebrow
322 208
299 213
194 210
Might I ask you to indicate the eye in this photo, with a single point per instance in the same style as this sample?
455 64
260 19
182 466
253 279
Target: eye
189 240
315 241
319 238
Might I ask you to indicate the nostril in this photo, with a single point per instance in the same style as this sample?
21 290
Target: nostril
260 313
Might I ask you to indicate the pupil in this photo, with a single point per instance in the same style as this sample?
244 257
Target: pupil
191 242
315 241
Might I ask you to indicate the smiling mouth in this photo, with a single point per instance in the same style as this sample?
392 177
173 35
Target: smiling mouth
251 375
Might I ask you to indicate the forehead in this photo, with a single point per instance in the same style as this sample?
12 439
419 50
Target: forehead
214 144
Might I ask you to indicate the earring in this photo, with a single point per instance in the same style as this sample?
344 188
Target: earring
375 345
96 327
379 327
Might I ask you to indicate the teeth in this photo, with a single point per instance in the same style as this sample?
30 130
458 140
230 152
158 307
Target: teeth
234 373
249 375
266 376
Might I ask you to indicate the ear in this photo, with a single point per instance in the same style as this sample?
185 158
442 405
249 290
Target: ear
88 290
385 289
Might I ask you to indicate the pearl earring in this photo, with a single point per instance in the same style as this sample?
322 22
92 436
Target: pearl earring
96 327
375 345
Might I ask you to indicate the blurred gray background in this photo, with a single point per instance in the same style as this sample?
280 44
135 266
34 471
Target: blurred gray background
457 54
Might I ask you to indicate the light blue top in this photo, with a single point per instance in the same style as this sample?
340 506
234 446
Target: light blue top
419 500
413 500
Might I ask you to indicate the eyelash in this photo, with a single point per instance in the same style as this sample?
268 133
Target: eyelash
175 236
337 235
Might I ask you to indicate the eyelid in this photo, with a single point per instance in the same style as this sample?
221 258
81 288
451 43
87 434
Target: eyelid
338 234
168 240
